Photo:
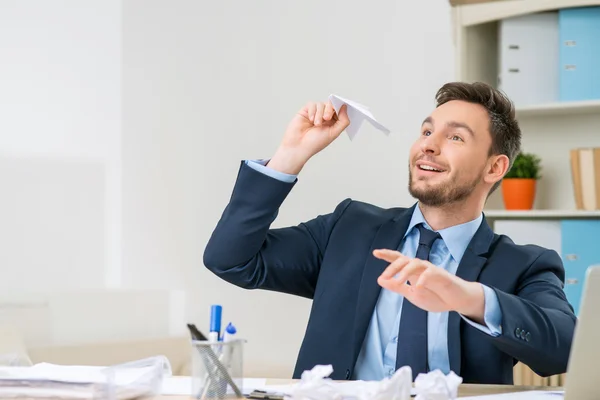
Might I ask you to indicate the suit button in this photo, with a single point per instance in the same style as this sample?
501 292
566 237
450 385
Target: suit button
527 336
517 332
523 334
347 374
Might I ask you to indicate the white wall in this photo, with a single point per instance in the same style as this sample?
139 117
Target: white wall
60 133
60 174
73 317
206 84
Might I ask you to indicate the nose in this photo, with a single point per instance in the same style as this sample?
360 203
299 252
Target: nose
430 144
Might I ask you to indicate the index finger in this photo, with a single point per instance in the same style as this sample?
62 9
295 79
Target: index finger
395 267
387 255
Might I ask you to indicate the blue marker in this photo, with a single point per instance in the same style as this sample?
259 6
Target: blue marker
230 332
228 336
215 323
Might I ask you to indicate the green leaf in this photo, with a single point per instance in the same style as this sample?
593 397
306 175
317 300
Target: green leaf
526 166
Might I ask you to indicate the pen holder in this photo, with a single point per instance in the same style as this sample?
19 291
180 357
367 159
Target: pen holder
217 369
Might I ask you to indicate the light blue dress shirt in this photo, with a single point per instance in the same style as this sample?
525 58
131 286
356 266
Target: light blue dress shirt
377 358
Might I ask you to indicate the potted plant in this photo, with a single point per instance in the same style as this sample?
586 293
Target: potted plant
519 183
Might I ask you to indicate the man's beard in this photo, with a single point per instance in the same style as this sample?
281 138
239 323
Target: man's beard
444 193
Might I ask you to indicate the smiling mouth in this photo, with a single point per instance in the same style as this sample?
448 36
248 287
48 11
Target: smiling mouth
429 168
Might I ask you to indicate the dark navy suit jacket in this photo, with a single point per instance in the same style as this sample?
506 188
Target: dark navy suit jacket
329 260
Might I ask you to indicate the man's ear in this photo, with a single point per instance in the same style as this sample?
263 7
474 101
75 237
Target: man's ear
497 168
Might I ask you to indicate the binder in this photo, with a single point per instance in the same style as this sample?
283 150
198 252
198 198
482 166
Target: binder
585 172
579 53
528 58
579 251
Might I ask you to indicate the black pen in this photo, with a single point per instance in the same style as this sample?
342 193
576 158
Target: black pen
196 334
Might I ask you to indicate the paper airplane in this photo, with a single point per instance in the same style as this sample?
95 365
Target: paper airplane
357 113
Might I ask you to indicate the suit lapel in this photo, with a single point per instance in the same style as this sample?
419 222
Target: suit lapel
389 236
469 269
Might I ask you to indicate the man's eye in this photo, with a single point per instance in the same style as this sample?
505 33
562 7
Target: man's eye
427 133
455 137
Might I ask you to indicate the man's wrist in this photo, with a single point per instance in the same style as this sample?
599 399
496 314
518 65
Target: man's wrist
287 161
474 308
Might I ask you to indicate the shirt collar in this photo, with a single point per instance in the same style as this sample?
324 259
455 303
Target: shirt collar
456 238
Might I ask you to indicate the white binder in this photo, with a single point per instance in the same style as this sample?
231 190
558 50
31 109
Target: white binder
529 58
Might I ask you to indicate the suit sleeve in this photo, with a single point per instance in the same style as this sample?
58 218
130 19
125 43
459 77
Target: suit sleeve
261 166
246 252
538 322
491 314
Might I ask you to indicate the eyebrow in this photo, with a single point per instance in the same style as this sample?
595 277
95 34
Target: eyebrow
451 124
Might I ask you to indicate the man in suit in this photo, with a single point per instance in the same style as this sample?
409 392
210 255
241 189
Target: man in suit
430 286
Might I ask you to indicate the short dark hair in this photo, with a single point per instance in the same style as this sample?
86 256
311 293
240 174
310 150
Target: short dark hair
504 128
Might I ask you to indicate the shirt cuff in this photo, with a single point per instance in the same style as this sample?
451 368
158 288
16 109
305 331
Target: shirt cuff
492 314
260 166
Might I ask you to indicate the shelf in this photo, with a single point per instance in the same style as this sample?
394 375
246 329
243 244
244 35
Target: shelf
560 108
551 129
541 214
474 14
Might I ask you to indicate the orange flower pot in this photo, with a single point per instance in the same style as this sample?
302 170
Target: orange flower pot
518 193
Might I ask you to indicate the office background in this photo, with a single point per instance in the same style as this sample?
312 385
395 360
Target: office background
123 123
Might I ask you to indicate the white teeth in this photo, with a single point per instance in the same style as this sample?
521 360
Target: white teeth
428 168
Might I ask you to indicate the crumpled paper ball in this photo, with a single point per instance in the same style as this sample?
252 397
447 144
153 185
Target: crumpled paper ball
315 384
435 385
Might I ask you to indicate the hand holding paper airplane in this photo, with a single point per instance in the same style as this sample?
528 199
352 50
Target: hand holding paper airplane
312 129
315 127
357 113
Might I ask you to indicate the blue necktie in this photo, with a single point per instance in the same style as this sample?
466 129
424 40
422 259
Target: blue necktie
412 334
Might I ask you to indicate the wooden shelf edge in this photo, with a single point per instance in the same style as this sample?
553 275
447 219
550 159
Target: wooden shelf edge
560 108
541 214
474 14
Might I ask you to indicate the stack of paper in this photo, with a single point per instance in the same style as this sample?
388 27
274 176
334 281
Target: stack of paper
81 382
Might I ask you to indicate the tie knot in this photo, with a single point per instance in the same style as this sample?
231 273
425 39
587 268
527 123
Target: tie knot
427 237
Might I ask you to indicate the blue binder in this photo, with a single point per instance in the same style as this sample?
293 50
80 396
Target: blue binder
580 251
579 53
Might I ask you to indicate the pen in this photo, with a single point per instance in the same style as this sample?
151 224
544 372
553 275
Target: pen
215 323
195 333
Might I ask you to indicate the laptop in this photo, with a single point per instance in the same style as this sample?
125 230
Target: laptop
583 370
